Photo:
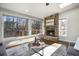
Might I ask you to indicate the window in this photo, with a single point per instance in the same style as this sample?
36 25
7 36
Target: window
8 26
22 28
36 26
15 26
63 27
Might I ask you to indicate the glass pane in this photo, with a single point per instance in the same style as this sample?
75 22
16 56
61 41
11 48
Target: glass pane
15 26
22 26
8 26
36 26
63 27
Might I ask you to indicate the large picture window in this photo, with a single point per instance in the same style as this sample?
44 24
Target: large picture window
18 26
15 26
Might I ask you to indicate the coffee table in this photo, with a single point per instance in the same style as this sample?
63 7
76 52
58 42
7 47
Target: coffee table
41 46
49 50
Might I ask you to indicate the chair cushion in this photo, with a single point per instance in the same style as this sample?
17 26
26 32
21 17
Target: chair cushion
72 52
77 44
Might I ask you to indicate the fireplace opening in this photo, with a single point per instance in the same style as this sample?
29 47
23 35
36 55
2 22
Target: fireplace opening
50 33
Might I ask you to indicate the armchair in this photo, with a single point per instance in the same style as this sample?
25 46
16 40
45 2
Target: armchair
73 50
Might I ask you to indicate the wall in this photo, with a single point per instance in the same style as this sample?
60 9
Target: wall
72 16
8 12
0 25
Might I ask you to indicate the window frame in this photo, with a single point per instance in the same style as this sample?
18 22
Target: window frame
65 27
28 27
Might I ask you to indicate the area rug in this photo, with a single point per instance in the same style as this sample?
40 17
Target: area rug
52 50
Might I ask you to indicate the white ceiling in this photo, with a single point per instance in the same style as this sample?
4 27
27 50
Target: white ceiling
36 9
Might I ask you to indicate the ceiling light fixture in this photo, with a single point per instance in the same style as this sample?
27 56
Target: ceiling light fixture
26 10
64 5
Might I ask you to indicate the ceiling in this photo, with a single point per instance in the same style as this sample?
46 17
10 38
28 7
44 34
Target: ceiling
39 10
